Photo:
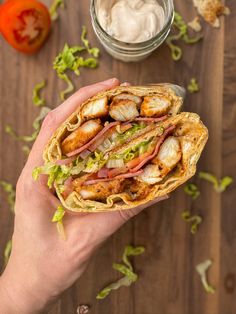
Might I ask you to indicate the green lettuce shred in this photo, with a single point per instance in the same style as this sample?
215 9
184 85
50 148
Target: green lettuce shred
192 190
202 271
122 138
36 126
93 51
182 34
7 252
58 218
194 220
56 173
126 269
11 193
193 86
70 59
95 162
220 185
37 100
53 10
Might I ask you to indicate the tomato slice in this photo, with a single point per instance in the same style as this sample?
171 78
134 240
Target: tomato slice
25 24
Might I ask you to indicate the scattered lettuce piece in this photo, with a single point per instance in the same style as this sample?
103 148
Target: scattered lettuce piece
69 59
37 100
194 220
220 185
202 271
70 86
36 126
192 190
126 269
130 132
94 162
193 86
7 252
182 28
93 51
58 218
54 7
10 190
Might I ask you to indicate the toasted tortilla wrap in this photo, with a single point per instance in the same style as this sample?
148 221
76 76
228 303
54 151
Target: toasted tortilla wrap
123 148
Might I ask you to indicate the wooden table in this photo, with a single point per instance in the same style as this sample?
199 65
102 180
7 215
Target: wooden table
168 281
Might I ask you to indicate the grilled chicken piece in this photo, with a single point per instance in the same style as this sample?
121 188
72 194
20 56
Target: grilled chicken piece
99 191
167 158
125 96
169 154
123 110
95 109
139 189
151 174
81 136
154 106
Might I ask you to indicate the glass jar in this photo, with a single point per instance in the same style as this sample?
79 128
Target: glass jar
132 52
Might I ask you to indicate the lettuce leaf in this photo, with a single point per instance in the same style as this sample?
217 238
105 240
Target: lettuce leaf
194 220
192 190
54 8
56 173
37 100
193 86
11 193
202 271
220 185
130 132
94 162
126 269
58 218
182 34
93 51
36 126
70 86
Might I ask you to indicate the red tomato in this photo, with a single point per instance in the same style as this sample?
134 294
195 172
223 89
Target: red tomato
25 24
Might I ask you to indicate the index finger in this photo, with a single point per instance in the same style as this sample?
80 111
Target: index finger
57 116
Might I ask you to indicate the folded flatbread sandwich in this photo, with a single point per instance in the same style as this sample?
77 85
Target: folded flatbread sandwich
122 148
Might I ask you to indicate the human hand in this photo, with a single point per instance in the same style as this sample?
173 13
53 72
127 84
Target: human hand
42 265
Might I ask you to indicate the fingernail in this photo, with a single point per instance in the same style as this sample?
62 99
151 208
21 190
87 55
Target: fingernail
111 81
125 84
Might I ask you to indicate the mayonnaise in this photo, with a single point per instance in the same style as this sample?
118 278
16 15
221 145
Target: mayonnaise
131 21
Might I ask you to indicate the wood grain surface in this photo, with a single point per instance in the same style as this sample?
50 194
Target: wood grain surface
168 282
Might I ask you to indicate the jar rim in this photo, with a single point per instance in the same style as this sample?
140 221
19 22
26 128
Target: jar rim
145 43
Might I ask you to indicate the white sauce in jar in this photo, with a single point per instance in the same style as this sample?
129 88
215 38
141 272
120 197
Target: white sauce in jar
131 21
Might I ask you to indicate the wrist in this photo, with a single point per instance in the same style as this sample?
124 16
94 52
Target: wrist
18 297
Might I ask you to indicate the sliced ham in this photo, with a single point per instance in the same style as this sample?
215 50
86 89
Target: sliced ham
122 176
151 119
96 138
103 173
159 142
65 161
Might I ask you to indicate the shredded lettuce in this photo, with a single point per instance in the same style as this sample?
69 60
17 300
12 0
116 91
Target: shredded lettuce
193 86
7 252
220 185
194 220
56 173
54 7
182 28
95 162
202 271
93 51
126 269
11 193
70 59
133 151
37 100
122 138
192 190
58 218
36 126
